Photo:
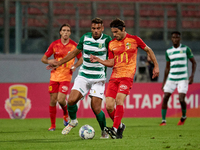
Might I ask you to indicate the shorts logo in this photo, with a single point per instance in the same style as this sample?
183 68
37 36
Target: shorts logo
50 88
123 87
64 88
81 90
17 105
92 91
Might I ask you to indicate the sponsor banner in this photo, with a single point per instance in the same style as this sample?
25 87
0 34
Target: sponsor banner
31 100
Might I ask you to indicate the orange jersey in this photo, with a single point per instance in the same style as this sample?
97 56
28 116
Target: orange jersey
124 53
63 72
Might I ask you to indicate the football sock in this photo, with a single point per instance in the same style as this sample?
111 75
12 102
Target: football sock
183 113
64 108
164 112
118 116
74 121
115 129
52 111
120 125
101 119
112 114
72 111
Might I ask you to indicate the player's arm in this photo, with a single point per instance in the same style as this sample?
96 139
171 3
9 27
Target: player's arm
194 65
45 60
77 64
68 57
107 63
151 54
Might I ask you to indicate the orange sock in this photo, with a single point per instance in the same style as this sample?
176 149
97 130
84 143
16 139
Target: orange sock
118 116
52 111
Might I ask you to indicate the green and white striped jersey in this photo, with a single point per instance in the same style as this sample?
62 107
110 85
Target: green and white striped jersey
99 48
178 58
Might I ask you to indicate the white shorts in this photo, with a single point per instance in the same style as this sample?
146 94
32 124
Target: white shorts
83 85
170 86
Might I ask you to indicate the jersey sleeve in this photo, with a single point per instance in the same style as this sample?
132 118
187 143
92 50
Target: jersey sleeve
189 53
110 53
49 51
166 56
79 55
107 41
80 44
140 42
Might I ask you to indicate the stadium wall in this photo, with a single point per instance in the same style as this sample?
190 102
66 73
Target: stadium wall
24 85
31 100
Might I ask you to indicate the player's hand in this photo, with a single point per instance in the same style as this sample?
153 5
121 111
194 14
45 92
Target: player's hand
155 72
191 79
52 62
73 68
49 67
93 58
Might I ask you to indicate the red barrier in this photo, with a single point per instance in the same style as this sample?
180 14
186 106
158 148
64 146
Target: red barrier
31 100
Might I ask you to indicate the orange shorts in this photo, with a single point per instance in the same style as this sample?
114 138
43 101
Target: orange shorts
119 85
55 87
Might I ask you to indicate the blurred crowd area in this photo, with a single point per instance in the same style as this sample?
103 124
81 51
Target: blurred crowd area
28 27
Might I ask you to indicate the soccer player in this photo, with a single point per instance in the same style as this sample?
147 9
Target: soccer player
122 57
91 77
60 77
176 75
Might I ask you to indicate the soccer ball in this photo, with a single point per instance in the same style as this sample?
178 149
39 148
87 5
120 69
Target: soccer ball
86 132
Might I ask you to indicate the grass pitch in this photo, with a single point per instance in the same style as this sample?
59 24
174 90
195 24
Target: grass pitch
140 134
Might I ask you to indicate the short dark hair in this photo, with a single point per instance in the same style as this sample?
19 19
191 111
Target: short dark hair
64 25
97 20
117 23
176 32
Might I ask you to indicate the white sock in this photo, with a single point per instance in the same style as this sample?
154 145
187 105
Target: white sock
120 125
115 129
74 121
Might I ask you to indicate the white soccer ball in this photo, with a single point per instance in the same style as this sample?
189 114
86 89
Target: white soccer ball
86 132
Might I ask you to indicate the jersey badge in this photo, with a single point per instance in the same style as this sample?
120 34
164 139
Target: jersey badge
100 45
128 45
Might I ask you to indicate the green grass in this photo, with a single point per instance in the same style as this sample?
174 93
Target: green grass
140 134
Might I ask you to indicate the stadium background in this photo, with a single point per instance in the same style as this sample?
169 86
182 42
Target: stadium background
27 28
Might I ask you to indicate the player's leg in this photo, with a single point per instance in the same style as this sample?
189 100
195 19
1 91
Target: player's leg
111 93
97 94
125 86
63 104
72 108
77 93
110 107
100 116
63 90
164 108
183 107
182 90
119 114
53 90
168 88
52 110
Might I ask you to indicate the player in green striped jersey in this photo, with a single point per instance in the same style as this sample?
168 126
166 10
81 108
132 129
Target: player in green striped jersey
91 77
176 74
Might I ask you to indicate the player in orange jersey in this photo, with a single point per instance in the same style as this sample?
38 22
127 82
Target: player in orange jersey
60 77
122 57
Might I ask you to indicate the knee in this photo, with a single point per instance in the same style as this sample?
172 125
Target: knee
166 98
96 109
71 102
109 108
